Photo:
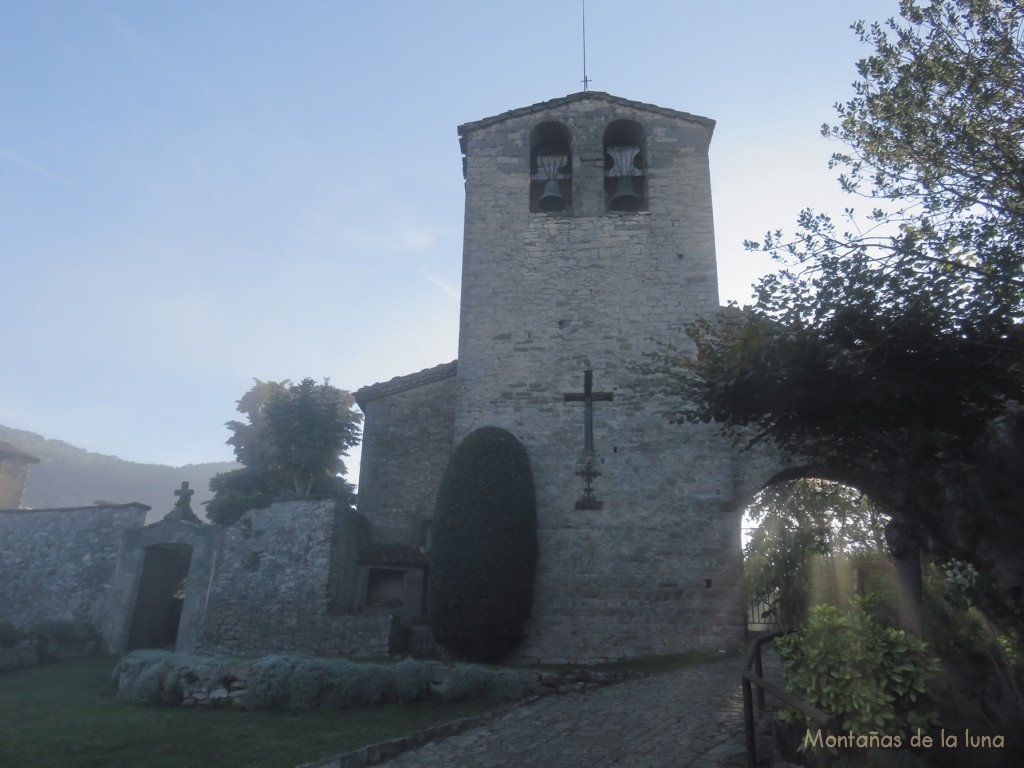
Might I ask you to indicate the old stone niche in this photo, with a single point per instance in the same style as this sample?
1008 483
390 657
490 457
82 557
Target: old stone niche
392 579
385 588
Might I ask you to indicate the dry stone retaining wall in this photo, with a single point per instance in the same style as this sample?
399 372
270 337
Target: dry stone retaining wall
58 564
272 591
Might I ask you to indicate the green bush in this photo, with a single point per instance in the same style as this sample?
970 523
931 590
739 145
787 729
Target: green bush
268 685
870 677
10 636
411 680
470 681
373 683
65 632
227 507
484 555
307 684
157 681
298 684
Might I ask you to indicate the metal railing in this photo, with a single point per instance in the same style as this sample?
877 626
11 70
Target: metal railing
762 613
753 675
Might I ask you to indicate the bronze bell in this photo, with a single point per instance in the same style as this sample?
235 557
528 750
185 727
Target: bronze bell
625 197
551 199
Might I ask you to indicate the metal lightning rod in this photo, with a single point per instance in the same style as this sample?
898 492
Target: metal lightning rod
586 80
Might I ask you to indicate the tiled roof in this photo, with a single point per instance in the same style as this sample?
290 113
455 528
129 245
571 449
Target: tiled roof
403 383
546 106
87 507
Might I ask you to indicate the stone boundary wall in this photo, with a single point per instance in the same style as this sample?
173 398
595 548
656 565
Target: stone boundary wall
271 592
58 564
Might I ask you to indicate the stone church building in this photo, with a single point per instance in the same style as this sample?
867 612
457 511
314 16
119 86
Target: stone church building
588 238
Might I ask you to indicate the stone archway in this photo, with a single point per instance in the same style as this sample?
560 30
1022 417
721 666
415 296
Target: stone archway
156 617
154 562
812 540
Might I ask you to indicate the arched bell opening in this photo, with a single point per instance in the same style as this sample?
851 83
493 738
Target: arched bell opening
625 167
550 169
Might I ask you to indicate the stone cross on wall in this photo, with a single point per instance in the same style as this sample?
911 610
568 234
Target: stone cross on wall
589 499
588 397
184 495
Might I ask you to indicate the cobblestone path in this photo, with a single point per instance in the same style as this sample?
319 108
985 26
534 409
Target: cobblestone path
691 717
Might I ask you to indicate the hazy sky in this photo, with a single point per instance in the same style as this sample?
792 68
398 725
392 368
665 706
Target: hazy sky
197 193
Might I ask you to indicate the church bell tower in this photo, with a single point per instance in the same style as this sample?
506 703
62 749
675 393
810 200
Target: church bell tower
588 238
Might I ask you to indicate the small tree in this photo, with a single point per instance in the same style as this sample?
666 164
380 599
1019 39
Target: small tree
291 445
870 677
309 427
484 555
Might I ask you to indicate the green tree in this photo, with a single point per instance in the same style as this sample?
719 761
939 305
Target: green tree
803 525
484 555
292 444
889 356
871 678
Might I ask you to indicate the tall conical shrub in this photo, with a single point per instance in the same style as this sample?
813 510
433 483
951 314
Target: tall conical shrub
484 556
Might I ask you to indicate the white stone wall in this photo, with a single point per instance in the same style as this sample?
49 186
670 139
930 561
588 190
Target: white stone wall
546 297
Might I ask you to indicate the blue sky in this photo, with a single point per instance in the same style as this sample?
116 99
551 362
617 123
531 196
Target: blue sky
196 194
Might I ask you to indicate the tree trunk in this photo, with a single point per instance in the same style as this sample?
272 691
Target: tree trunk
908 576
903 546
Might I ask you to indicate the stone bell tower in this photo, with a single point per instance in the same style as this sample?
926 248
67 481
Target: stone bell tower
588 237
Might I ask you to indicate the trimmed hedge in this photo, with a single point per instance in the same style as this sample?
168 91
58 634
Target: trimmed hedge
298 684
484 556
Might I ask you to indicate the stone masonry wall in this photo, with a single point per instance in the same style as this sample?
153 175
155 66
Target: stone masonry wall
58 564
271 590
546 297
407 440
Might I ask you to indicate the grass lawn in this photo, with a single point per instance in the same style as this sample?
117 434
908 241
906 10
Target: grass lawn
65 716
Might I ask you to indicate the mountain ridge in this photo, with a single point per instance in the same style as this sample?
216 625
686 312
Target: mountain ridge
69 476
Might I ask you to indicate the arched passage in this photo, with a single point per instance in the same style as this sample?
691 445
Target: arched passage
147 595
809 541
160 596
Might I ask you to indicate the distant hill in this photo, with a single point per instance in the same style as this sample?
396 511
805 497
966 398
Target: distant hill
67 476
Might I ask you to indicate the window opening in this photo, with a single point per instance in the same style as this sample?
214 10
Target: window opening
625 167
550 169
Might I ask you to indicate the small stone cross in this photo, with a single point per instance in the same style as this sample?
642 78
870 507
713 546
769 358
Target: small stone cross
589 499
588 397
185 493
178 512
